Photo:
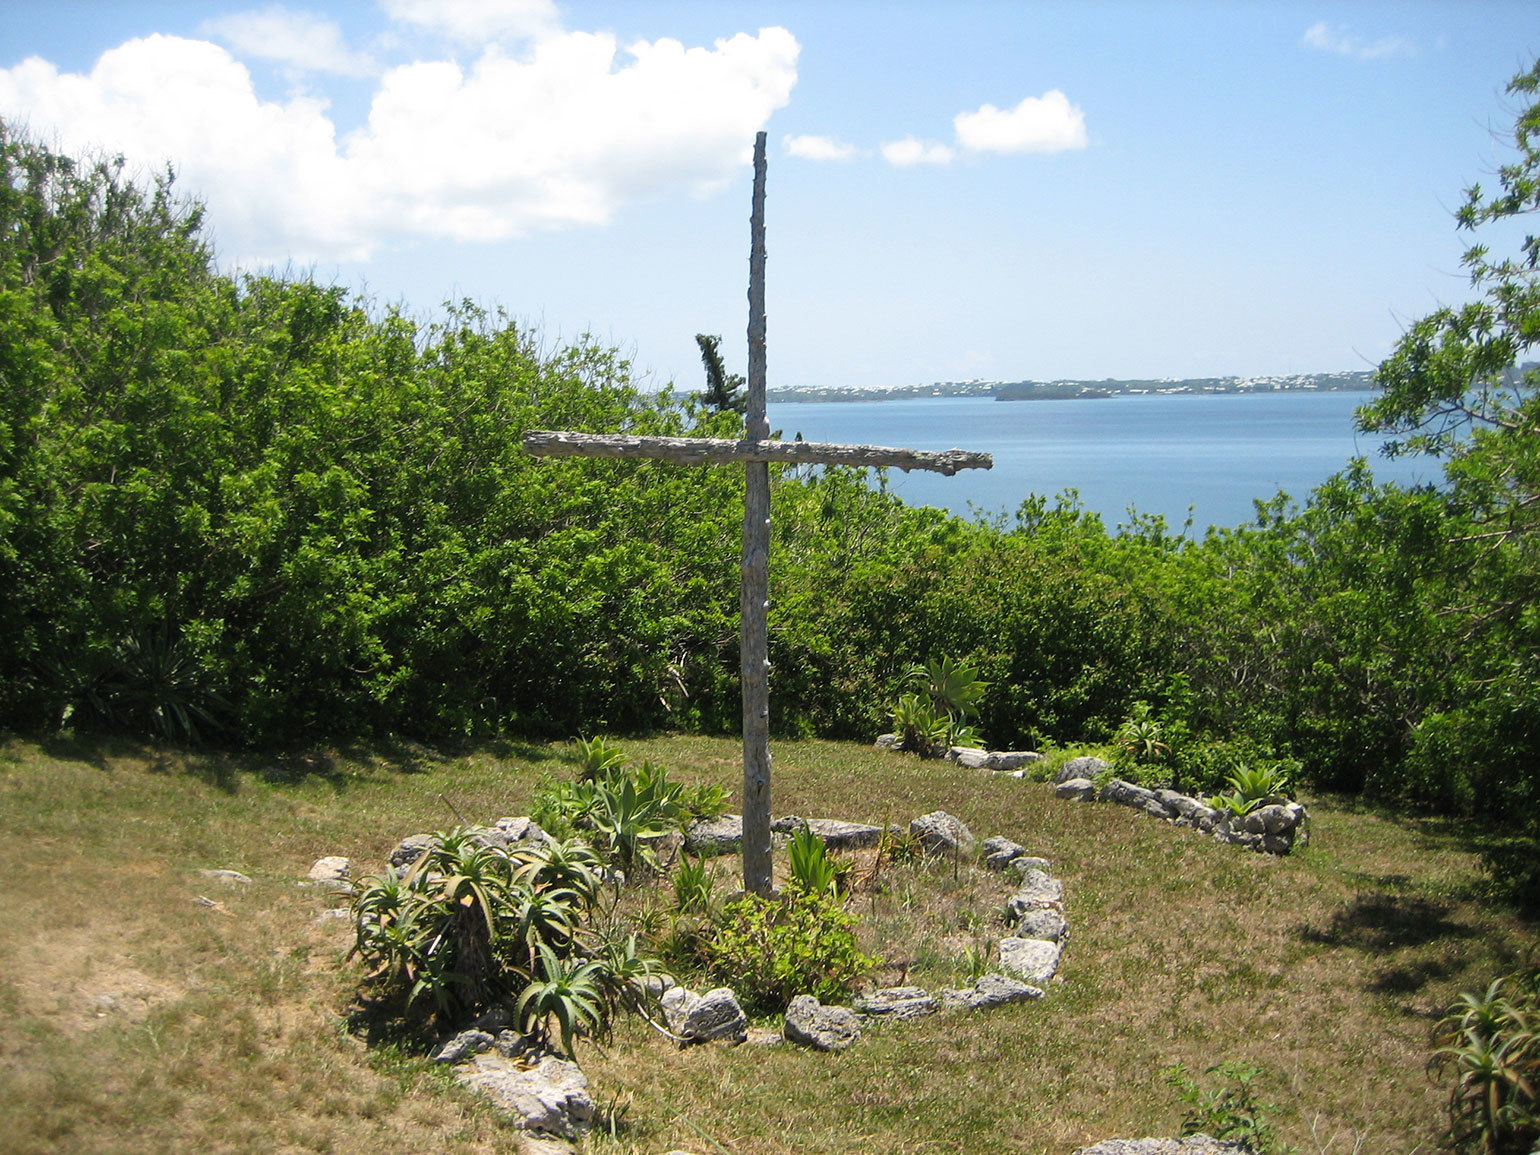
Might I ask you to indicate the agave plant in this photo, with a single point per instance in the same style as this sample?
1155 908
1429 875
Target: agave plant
1251 787
1492 1042
953 687
599 758
566 990
920 730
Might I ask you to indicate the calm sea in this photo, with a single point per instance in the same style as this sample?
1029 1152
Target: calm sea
1156 454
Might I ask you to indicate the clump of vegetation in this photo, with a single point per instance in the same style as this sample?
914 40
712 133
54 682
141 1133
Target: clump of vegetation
1251 787
1227 1108
469 927
1490 1042
800 942
625 806
937 715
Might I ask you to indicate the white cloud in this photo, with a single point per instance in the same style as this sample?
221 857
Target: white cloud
1047 123
564 135
911 151
822 148
300 40
477 22
1340 41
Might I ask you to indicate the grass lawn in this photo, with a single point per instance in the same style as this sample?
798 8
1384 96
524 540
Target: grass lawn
136 1016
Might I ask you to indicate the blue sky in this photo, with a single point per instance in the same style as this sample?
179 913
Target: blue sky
958 190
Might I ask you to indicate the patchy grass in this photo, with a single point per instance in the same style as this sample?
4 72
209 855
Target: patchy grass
137 1017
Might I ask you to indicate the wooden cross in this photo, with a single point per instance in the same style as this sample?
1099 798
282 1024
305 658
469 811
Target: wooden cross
755 451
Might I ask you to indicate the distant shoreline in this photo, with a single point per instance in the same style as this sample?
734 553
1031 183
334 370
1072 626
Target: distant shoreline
1067 390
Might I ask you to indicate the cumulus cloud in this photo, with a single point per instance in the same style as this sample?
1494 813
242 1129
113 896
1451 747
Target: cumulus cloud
563 134
821 148
912 151
1324 38
1047 123
301 41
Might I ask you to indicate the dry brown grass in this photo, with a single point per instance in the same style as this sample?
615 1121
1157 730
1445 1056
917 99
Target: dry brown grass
138 1019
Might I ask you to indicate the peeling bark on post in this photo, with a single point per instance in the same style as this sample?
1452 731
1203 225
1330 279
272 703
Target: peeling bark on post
754 601
721 451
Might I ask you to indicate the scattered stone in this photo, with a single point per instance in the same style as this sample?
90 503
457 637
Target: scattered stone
896 1003
940 833
702 1018
1083 767
332 868
1275 828
1191 1145
335 914
1023 864
1001 852
463 1046
1037 889
1076 789
410 850
969 757
997 760
811 1024
762 1037
886 742
713 836
1043 923
552 1097
990 991
1126 794
838 835
1033 959
231 876
523 829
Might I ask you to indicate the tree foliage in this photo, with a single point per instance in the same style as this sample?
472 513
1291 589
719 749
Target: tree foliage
724 391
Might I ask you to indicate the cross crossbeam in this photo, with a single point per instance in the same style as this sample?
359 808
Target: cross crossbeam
722 451
754 452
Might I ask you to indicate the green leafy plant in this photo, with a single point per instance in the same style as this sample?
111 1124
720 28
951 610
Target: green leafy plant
471 926
599 759
1229 1110
952 687
936 715
920 729
1491 1042
1141 738
1251 787
567 991
812 869
694 886
769 950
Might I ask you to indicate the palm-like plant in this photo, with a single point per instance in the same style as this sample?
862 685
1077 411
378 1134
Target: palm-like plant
1492 1041
567 991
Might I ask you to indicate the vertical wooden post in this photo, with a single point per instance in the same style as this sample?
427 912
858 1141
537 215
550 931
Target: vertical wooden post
754 602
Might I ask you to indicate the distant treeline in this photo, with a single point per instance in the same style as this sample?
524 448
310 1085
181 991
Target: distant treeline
1062 389
261 511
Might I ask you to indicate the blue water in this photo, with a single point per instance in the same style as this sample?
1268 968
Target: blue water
1157 454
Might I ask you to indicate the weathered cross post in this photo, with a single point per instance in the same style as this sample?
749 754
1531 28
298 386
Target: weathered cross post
755 451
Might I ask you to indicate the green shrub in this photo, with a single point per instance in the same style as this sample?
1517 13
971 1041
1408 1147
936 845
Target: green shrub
770 950
1227 1111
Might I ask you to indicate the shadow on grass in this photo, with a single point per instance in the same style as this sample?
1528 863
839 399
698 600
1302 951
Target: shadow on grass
1510 853
1378 923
